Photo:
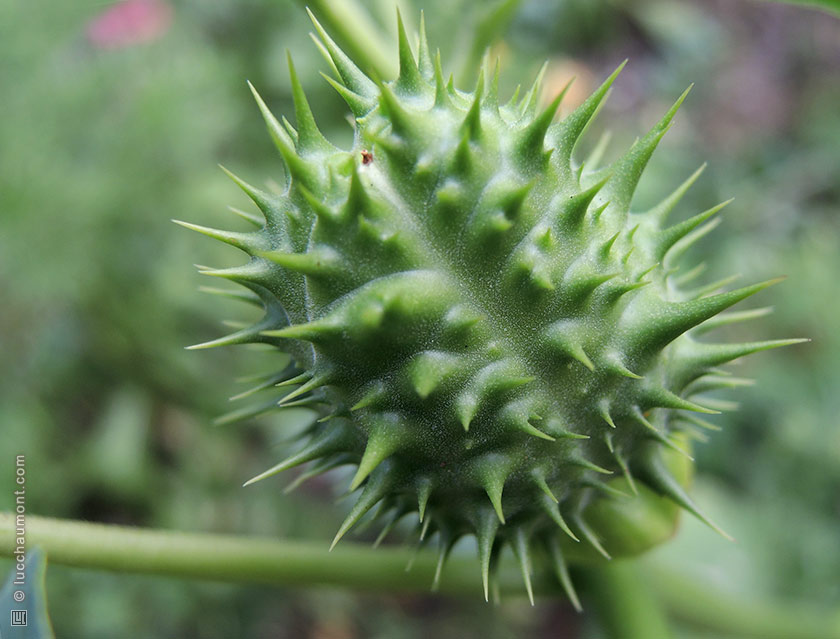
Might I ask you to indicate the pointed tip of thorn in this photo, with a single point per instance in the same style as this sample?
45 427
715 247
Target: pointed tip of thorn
335 540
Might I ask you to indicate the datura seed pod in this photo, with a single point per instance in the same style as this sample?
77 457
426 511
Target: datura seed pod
489 335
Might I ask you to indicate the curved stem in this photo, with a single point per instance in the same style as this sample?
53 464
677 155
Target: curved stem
301 563
363 40
625 606
704 605
245 559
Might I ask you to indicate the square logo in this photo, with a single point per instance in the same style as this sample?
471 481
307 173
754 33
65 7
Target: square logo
18 618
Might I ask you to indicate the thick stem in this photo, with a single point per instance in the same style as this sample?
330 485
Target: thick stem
245 559
358 33
299 563
704 605
625 605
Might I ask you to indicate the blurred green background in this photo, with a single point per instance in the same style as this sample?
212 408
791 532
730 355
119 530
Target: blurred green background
112 123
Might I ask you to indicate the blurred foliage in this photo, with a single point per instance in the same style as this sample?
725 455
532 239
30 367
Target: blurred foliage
101 146
35 598
827 5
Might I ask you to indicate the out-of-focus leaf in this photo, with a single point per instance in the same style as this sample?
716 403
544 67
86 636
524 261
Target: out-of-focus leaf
23 606
832 6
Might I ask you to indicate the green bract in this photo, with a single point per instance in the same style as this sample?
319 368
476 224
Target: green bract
486 329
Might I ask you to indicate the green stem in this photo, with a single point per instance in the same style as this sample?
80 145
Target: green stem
486 31
362 39
704 605
245 559
617 592
625 606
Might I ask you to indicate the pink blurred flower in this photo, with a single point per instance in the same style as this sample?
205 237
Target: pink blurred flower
128 23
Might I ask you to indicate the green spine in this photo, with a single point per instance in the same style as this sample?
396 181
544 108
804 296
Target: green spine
486 330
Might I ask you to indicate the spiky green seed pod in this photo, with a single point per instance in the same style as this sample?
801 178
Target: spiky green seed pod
486 329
